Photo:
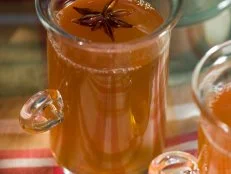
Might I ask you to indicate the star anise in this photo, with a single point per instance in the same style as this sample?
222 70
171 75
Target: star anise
108 19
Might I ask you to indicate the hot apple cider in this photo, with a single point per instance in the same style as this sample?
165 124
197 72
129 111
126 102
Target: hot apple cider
214 152
114 97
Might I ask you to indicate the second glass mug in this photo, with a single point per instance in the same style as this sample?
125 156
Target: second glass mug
211 76
105 104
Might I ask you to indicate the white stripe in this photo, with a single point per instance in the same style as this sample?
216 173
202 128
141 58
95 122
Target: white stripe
10 126
184 111
190 145
27 162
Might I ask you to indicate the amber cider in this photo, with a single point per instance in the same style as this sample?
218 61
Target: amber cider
214 153
114 110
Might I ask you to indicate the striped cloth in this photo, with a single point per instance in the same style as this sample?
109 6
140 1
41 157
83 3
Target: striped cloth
40 160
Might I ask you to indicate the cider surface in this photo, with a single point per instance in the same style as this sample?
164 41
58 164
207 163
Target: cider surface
143 18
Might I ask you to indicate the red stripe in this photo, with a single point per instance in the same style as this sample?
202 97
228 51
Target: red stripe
29 153
57 170
38 170
45 153
181 139
192 152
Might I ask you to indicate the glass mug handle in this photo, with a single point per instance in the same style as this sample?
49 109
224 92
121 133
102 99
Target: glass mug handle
174 162
42 111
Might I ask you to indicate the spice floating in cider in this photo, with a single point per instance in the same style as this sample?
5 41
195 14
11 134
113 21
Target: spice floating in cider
125 20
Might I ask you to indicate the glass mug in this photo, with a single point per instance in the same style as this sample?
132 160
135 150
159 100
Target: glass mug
105 106
211 76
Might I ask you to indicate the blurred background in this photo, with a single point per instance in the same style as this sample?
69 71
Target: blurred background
204 24
22 68
22 53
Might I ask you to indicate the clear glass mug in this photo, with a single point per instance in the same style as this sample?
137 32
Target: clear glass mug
211 75
105 106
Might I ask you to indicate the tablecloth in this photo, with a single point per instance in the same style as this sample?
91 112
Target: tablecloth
29 154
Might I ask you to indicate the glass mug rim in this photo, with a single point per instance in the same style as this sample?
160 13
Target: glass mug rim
196 92
168 25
